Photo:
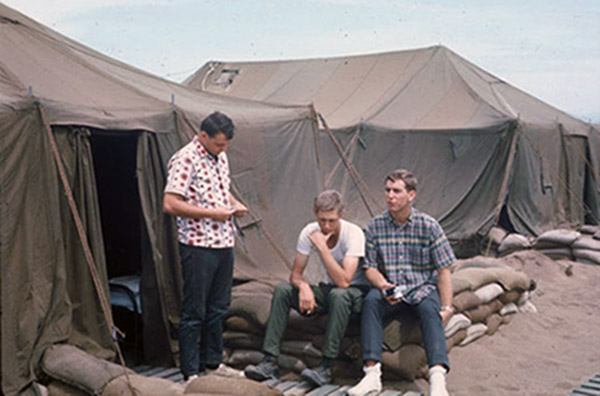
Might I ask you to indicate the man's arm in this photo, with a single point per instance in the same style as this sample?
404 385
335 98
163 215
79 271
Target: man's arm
306 296
340 275
174 204
445 290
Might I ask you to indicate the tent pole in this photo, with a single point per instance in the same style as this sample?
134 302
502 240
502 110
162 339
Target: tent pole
358 181
105 305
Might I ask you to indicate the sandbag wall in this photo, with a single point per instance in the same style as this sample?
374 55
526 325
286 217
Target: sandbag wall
487 293
560 244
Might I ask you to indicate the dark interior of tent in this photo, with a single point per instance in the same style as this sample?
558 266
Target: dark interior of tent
114 155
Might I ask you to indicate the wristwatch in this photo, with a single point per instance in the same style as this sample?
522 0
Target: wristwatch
447 308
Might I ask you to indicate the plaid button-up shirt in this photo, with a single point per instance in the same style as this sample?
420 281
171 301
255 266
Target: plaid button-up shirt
408 255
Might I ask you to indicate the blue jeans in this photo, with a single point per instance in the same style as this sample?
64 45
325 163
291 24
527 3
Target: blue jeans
376 310
207 278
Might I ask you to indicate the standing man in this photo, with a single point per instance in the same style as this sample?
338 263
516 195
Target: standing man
407 259
197 192
339 244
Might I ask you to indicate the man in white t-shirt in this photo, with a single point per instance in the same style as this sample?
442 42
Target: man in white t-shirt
340 245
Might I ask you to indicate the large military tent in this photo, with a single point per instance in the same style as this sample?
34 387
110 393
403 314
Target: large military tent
111 128
482 149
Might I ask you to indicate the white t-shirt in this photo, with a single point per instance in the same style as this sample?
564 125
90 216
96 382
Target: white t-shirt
351 242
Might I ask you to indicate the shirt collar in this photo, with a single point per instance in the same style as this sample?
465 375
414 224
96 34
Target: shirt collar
389 218
202 150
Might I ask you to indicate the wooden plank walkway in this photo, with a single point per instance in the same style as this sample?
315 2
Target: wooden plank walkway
589 388
289 388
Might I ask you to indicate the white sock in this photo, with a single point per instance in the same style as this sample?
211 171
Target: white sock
437 381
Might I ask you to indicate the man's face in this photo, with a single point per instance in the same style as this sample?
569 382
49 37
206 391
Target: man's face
216 144
396 196
329 221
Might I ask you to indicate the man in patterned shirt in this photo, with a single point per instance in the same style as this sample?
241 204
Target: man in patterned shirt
406 260
197 192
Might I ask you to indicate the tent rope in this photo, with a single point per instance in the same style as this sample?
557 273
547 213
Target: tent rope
105 305
355 176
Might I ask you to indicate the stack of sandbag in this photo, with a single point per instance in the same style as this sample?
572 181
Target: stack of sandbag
558 244
487 293
586 249
303 339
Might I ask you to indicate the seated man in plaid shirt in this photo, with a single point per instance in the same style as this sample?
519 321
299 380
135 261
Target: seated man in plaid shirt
406 260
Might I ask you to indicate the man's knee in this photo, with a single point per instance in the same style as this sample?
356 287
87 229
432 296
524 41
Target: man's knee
372 299
283 289
340 297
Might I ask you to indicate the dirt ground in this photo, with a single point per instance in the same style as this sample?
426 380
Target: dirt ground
545 353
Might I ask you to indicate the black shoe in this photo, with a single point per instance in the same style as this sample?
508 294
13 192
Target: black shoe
319 376
265 370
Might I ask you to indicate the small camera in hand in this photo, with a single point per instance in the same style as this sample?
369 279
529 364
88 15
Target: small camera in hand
396 292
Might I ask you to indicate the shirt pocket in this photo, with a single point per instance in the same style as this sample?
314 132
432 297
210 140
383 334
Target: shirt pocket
420 257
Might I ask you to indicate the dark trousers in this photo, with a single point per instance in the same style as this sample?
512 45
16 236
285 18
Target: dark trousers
207 277
376 310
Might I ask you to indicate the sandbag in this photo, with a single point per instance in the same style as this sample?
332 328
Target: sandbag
230 386
477 262
237 340
242 324
557 253
465 300
586 242
406 362
58 388
489 292
244 357
509 309
474 332
456 323
405 329
493 322
597 235
480 313
589 229
510 296
456 339
292 363
512 243
592 256
507 277
496 235
76 368
300 348
524 298
554 238
528 307
147 386
255 308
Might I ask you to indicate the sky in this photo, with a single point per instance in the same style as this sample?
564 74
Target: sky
550 49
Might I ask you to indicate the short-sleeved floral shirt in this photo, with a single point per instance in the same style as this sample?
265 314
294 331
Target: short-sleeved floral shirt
202 180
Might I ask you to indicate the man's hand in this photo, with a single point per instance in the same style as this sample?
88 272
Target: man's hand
446 315
319 240
307 299
386 286
239 210
221 213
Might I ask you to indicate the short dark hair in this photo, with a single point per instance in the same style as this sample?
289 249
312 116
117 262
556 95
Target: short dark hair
410 181
328 200
218 123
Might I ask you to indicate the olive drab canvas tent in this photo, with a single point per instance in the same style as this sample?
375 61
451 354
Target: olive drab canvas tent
477 144
74 120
